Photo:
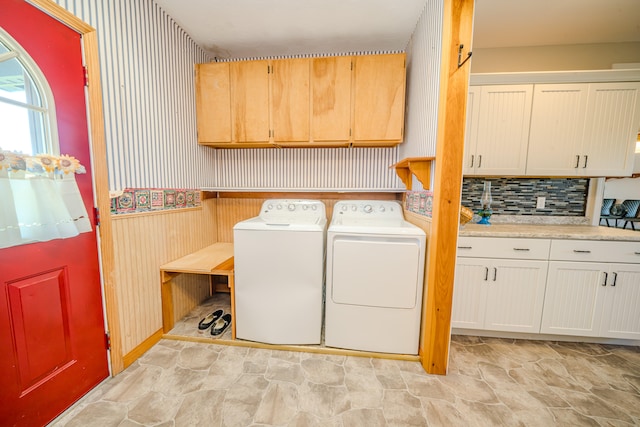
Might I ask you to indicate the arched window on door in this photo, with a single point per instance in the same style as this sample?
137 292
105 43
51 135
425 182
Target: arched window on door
27 109
40 197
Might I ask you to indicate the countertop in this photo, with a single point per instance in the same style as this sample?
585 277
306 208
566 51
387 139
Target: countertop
550 231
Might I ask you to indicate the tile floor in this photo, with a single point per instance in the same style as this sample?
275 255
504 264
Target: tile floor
491 382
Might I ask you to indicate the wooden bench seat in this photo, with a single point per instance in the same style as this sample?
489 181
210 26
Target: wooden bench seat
214 260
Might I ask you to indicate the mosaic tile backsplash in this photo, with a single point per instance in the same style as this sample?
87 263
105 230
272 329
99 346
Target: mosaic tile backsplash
134 200
518 196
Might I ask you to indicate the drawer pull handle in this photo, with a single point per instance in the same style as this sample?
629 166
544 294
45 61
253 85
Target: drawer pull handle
472 157
486 273
586 158
581 252
495 273
479 161
577 160
522 249
615 278
605 279
637 253
465 247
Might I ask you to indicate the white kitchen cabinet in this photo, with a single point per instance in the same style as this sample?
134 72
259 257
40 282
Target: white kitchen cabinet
621 306
499 294
585 297
471 131
585 129
573 299
499 147
557 127
613 120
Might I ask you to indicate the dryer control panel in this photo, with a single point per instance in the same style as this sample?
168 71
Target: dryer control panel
293 211
368 209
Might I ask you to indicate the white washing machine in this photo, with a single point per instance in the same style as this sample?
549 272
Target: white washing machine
279 273
374 278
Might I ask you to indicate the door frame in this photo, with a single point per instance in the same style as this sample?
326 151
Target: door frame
97 145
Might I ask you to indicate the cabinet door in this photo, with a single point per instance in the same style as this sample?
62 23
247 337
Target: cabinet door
331 106
471 131
470 293
613 119
573 298
250 101
515 295
290 100
379 86
557 127
213 102
503 129
621 312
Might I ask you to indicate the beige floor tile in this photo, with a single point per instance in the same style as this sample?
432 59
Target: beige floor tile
490 382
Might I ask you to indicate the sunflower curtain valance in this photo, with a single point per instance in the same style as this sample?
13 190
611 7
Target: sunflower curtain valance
40 199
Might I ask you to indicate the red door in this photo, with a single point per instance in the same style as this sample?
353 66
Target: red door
52 335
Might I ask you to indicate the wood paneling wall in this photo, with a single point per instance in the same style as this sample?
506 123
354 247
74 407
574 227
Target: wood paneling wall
235 207
143 243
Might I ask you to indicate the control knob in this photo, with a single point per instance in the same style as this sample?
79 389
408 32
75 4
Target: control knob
291 207
368 208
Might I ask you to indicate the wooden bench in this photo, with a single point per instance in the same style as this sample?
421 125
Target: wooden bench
214 260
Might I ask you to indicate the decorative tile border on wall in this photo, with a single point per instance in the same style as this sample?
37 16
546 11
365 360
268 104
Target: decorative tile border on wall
518 196
134 200
420 202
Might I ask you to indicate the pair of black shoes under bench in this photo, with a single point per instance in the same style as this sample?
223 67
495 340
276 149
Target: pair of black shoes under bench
218 321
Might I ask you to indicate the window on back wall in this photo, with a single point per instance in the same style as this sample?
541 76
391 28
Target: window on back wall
27 113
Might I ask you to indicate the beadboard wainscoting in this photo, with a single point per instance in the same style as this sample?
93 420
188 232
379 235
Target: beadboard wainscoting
146 241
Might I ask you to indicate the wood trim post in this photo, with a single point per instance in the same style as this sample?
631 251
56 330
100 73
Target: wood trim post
452 105
99 167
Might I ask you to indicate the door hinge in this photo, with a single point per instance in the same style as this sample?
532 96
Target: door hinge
85 73
96 216
107 340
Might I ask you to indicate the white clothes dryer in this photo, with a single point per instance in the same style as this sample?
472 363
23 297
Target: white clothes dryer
279 273
374 278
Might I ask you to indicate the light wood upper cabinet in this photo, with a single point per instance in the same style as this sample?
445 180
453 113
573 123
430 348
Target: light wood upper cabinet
290 100
379 92
213 102
331 99
320 102
250 101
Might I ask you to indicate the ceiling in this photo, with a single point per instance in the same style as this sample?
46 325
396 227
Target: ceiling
251 28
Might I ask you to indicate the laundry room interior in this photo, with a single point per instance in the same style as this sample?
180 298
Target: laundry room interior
197 182
239 213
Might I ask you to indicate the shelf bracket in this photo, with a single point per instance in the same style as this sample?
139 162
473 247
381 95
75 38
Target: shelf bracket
418 166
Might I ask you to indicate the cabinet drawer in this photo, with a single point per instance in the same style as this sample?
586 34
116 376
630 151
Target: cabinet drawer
493 247
595 251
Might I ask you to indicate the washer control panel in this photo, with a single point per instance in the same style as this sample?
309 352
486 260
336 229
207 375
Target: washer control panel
374 209
293 211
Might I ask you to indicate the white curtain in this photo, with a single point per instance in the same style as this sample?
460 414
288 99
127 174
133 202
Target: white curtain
39 204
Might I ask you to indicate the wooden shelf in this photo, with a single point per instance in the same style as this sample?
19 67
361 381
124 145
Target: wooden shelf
418 166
